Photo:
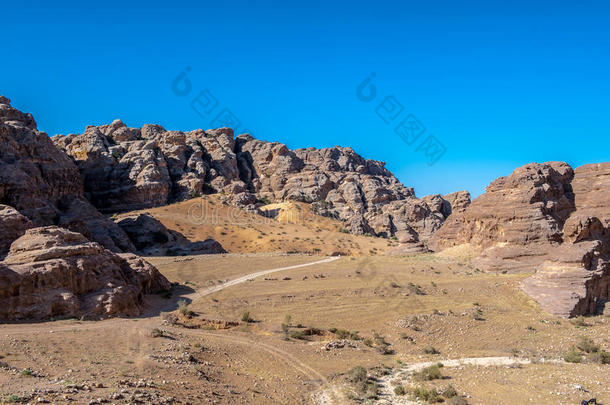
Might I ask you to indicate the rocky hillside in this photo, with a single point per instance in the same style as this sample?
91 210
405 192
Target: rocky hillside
134 168
61 256
40 183
546 218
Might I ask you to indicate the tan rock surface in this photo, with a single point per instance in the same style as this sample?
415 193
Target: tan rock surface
53 272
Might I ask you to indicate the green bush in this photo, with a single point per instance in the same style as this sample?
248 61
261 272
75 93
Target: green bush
431 350
573 356
184 309
601 357
400 390
245 317
588 346
156 332
429 373
449 392
431 396
357 374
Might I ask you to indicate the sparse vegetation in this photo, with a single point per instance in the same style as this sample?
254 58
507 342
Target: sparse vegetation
429 373
573 356
431 350
345 334
601 357
245 317
184 309
429 395
156 332
381 345
449 392
579 321
588 346
400 390
364 386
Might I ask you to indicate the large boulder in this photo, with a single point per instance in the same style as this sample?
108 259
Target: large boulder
43 184
53 272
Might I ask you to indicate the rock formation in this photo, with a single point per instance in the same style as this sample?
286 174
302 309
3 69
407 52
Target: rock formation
125 169
544 218
53 272
42 183
152 238
129 168
12 226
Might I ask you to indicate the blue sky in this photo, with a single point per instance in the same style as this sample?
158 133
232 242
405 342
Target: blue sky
498 84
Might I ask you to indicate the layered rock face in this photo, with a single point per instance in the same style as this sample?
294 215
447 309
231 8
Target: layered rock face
545 218
12 226
129 168
51 271
125 169
43 184
152 238
527 207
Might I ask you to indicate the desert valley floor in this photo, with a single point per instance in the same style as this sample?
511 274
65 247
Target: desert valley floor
231 333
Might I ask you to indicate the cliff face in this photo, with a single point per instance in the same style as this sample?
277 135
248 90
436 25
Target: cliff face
60 251
133 168
546 218
42 184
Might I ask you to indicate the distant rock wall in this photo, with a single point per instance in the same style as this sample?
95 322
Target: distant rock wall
134 168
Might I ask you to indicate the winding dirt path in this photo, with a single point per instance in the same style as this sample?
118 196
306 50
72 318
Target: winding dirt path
243 279
62 326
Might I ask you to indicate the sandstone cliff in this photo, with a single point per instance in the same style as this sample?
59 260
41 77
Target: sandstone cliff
42 183
544 218
53 272
133 168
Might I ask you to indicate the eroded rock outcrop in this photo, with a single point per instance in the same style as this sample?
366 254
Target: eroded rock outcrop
575 277
51 272
548 219
129 168
43 184
12 226
152 238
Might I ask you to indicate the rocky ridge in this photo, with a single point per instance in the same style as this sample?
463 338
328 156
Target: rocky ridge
135 168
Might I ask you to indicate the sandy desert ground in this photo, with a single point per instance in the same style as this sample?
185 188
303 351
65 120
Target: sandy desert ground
296 335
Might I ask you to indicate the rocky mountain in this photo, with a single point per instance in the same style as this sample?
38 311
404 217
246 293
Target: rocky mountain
134 168
546 218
